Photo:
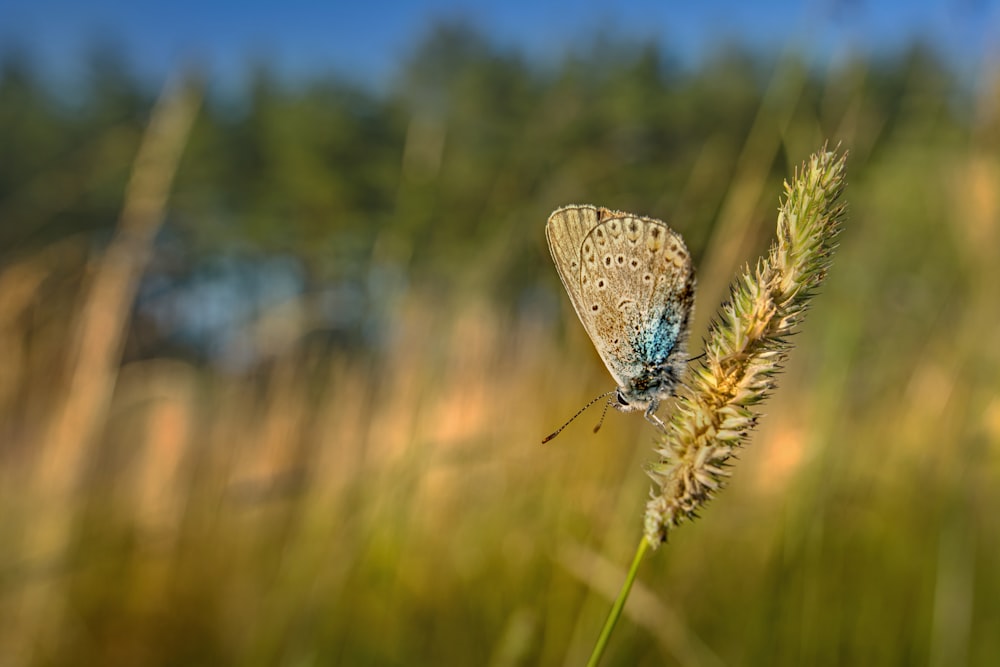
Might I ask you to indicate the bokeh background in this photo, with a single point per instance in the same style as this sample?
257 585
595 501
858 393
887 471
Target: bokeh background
280 401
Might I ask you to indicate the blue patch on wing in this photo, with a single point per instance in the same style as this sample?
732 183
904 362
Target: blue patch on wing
659 340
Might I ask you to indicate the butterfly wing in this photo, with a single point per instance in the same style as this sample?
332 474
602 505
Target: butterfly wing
631 282
565 231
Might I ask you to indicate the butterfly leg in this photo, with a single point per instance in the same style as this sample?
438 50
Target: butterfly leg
652 418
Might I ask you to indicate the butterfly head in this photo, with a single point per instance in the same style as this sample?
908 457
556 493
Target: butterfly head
656 382
625 401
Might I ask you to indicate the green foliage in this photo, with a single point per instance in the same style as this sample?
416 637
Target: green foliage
460 156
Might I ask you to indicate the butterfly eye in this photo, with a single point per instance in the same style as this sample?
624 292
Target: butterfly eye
621 399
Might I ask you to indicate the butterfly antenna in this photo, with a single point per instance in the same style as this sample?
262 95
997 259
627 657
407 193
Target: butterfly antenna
581 411
603 413
698 357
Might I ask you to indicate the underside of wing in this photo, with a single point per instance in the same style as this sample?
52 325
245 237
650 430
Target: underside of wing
637 287
565 231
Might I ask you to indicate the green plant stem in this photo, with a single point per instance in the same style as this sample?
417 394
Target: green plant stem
616 610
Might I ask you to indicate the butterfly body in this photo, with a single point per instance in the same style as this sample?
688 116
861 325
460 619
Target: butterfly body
631 282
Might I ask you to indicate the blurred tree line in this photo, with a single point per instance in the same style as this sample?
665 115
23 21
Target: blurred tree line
443 179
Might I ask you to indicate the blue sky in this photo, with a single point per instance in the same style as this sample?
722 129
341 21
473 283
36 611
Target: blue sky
369 38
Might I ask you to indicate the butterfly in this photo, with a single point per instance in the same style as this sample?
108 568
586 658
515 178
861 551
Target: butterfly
631 282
